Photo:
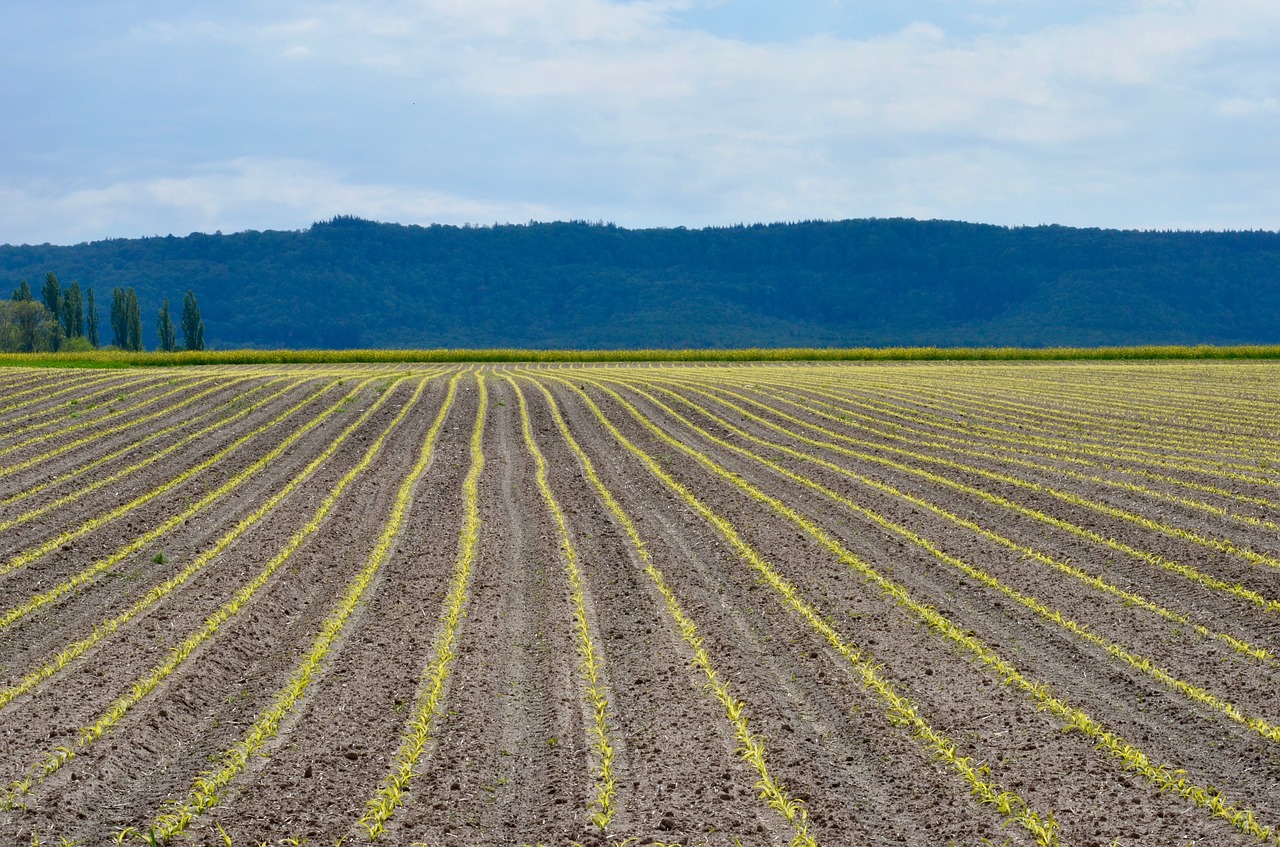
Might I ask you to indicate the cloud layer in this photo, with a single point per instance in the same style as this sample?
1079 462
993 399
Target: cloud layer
1149 113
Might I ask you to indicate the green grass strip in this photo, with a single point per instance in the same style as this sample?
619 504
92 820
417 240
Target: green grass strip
122 359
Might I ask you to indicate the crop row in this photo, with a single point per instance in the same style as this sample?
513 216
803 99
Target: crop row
1163 777
1142 553
145 685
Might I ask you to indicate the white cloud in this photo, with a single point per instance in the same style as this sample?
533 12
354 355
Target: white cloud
231 196
1131 113
623 66
1248 106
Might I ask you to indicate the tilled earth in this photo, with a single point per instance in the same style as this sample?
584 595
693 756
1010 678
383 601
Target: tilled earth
948 604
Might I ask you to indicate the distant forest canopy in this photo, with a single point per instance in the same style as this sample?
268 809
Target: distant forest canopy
348 283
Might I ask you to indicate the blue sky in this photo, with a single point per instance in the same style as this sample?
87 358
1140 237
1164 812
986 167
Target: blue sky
146 118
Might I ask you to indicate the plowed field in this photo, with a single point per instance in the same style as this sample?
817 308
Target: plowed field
863 604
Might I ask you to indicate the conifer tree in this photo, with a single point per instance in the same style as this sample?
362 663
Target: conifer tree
166 330
91 321
192 325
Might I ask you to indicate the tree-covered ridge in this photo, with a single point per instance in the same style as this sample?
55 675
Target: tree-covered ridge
353 283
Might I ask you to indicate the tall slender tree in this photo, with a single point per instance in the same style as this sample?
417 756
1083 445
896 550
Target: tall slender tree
166 330
23 293
133 322
119 318
91 321
192 324
52 293
73 312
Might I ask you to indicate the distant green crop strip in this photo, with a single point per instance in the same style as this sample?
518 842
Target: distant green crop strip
119 359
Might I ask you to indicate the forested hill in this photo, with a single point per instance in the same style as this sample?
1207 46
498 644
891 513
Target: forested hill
354 283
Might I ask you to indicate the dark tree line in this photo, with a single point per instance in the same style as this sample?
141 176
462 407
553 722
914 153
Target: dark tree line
67 319
352 283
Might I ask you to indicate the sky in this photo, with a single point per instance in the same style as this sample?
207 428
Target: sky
138 118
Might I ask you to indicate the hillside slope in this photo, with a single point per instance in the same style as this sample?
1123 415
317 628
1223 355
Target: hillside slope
354 283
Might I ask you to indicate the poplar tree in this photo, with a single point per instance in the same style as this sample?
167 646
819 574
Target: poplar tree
119 318
192 325
126 319
52 293
73 312
133 322
23 293
166 330
91 321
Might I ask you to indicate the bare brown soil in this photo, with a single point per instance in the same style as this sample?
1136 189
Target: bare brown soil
510 758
